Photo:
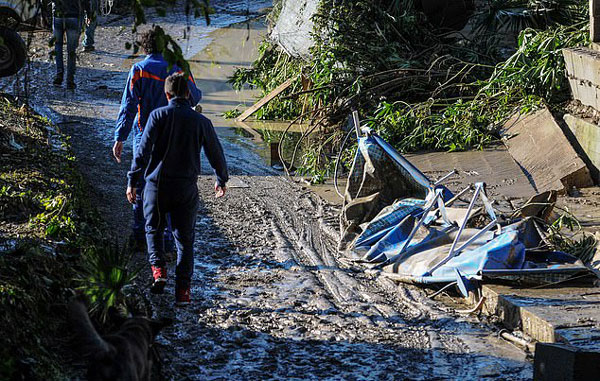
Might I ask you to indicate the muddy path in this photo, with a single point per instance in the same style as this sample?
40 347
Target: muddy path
271 297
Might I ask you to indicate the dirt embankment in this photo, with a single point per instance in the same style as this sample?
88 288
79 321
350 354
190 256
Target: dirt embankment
272 299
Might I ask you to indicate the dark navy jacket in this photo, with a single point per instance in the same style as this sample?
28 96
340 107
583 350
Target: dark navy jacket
169 151
144 93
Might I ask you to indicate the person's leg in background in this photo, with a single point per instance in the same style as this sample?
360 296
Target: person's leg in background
88 38
155 225
90 29
183 219
58 30
73 29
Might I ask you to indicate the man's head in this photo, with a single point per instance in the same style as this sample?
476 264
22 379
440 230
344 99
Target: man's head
176 86
147 40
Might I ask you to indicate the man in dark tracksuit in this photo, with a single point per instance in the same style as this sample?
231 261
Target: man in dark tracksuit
143 93
168 156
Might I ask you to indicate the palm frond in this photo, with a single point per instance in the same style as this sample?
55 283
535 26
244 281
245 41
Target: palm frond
107 269
513 16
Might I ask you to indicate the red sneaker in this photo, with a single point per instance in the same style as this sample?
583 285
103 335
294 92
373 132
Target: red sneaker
160 279
182 296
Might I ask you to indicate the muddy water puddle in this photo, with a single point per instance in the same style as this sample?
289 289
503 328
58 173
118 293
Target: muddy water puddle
273 141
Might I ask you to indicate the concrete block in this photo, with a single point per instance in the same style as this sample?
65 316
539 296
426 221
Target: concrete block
566 315
575 64
574 87
595 46
588 66
595 28
594 8
537 143
568 58
583 69
587 135
587 94
560 362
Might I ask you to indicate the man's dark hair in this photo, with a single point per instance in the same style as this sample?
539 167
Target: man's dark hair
176 85
147 40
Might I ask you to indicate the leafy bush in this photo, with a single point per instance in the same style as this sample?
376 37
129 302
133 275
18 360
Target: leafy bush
419 88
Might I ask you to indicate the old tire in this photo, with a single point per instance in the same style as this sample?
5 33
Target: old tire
12 52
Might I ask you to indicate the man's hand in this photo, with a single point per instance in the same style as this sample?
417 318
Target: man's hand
131 195
220 190
198 108
117 150
87 21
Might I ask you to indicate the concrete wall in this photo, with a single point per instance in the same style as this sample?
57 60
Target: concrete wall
587 135
583 71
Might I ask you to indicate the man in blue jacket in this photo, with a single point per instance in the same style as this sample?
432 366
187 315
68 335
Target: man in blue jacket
168 156
143 93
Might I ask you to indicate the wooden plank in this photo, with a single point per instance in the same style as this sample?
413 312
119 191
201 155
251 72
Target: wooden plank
255 135
255 107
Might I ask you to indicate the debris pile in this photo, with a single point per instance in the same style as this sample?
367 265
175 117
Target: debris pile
415 230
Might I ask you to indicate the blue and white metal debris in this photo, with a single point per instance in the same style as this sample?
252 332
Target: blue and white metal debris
426 240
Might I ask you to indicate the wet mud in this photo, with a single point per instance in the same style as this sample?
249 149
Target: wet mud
271 297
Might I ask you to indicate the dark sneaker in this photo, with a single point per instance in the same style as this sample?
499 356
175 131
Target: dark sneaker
88 48
182 296
58 80
71 85
160 279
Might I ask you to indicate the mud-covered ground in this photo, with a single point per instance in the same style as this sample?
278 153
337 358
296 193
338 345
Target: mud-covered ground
272 299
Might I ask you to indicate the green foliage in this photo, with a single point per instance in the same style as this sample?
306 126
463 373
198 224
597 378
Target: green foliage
232 114
168 47
503 17
170 50
457 127
315 164
537 67
417 88
565 234
532 75
272 68
43 200
106 272
56 220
